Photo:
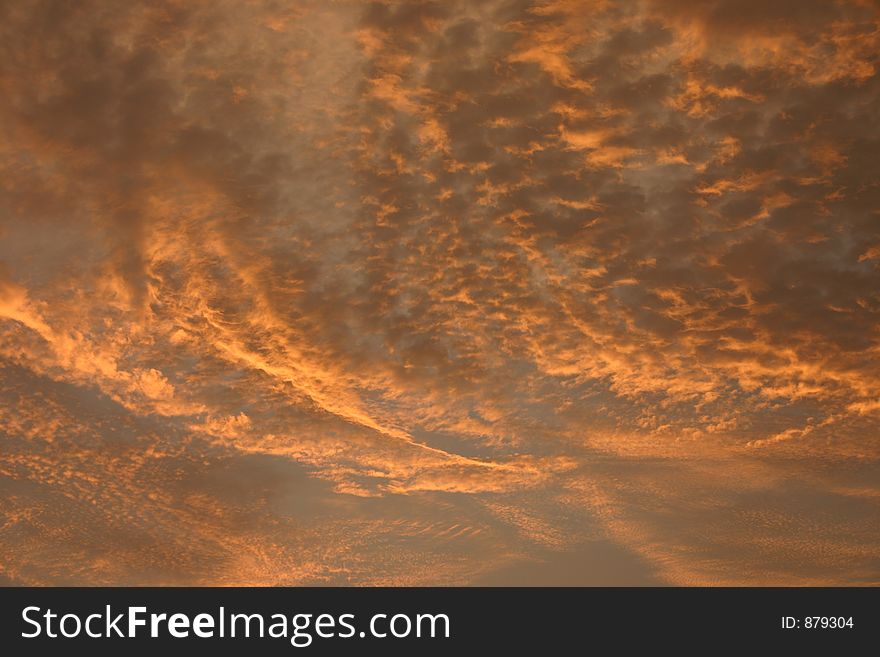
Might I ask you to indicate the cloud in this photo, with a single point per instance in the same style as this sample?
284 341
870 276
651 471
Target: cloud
554 270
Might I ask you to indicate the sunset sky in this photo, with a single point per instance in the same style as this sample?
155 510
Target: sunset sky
437 293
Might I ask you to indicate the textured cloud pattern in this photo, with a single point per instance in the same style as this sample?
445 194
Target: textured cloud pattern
577 291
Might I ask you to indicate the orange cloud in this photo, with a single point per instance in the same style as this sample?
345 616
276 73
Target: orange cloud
416 292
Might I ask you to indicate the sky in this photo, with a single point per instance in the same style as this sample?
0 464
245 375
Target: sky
513 292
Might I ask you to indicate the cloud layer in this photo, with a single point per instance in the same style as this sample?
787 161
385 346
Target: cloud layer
440 292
